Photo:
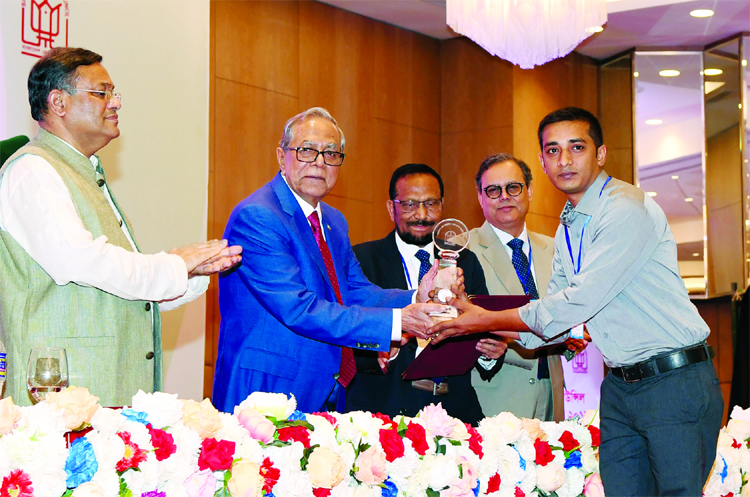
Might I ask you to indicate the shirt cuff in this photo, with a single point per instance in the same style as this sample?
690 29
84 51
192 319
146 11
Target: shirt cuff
486 363
396 328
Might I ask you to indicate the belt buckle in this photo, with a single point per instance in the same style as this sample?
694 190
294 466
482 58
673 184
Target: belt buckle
631 374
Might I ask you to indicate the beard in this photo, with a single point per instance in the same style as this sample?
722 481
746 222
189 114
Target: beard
416 240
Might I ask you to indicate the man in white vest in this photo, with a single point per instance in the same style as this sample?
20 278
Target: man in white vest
71 274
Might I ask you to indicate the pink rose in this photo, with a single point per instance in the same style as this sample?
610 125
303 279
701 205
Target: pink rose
200 483
9 415
325 468
593 486
371 464
436 420
201 417
246 480
550 477
78 403
258 425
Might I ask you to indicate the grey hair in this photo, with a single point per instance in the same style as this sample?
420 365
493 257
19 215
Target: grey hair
311 113
498 158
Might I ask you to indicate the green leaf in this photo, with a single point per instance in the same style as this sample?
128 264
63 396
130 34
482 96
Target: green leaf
68 493
306 455
440 449
432 493
124 490
299 422
278 443
402 427
455 442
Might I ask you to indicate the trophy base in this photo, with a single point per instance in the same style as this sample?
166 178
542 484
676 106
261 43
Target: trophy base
450 312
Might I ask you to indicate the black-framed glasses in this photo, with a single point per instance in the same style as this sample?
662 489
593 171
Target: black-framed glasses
431 204
496 191
105 94
330 157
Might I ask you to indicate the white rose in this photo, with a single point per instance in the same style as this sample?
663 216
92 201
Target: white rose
269 404
163 409
550 477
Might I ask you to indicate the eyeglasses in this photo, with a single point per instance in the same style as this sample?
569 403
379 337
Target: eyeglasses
105 94
330 157
496 191
412 205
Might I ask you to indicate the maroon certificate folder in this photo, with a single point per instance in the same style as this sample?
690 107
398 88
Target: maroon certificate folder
455 356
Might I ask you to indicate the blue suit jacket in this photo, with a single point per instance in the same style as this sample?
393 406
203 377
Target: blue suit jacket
281 327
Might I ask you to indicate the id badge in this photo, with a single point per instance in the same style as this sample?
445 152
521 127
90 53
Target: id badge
577 332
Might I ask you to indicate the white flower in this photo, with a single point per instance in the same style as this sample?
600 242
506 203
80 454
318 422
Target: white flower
108 420
42 417
135 481
550 477
276 405
740 413
48 482
184 461
108 448
89 489
163 409
324 434
573 485
443 472
108 480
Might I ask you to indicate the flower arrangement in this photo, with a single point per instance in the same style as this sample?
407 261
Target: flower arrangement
163 447
730 472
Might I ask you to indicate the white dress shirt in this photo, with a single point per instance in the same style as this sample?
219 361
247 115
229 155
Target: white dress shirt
506 237
36 209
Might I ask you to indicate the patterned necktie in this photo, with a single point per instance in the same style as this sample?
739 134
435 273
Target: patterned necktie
523 270
348 367
424 265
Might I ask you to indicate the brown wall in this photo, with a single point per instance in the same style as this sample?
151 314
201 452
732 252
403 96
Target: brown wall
399 97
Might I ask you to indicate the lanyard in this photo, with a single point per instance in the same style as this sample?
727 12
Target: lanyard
406 270
577 269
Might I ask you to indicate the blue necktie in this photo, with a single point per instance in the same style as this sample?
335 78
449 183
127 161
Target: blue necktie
523 270
424 265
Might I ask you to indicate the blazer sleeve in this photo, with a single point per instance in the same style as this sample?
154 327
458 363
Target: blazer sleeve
281 274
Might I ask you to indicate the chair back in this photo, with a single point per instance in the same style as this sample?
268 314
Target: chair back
10 146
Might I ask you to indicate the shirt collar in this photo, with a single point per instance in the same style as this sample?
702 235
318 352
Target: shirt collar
94 159
307 209
505 237
408 250
587 204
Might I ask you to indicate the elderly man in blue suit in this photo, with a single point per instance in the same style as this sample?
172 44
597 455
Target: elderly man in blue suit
291 314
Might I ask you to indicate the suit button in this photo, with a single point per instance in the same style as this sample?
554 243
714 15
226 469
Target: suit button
359 345
148 306
335 376
532 381
100 182
150 356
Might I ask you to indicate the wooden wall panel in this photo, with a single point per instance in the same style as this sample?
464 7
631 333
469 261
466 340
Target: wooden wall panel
257 43
461 155
616 116
407 77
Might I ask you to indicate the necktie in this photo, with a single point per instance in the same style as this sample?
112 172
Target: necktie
424 265
348 367
523 270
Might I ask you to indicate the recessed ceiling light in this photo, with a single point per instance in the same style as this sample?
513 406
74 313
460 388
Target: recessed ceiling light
702 13
669 73
713 72
696 254
651 194
636 74
688 199
674 176
653 122
712 86
744 62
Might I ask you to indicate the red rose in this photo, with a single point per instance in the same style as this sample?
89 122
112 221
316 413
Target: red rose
519 492
321 492
392 444
216 454
494 484
387 421
475 441
295 434
544 454
596 436
330 418
416 434
569 443
162 441
270 474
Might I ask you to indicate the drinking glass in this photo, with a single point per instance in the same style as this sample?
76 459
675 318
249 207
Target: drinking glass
47 372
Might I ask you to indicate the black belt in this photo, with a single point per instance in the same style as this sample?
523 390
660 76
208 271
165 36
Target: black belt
430 386
662 364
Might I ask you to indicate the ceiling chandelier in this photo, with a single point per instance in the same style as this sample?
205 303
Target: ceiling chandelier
527 33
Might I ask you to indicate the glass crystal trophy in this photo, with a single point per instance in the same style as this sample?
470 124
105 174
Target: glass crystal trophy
450 237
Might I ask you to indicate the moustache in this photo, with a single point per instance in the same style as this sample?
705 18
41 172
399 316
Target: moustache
421 223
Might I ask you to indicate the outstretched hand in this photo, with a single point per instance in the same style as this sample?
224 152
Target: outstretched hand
209 257
471 319
416 320
427 285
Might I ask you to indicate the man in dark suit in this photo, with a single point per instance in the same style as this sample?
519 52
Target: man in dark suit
398 261
292 313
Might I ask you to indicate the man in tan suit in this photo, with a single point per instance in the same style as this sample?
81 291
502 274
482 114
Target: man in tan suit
530 383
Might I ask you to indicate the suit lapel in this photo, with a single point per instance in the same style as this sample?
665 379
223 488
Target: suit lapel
393 277
495 254
300 226
542 262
